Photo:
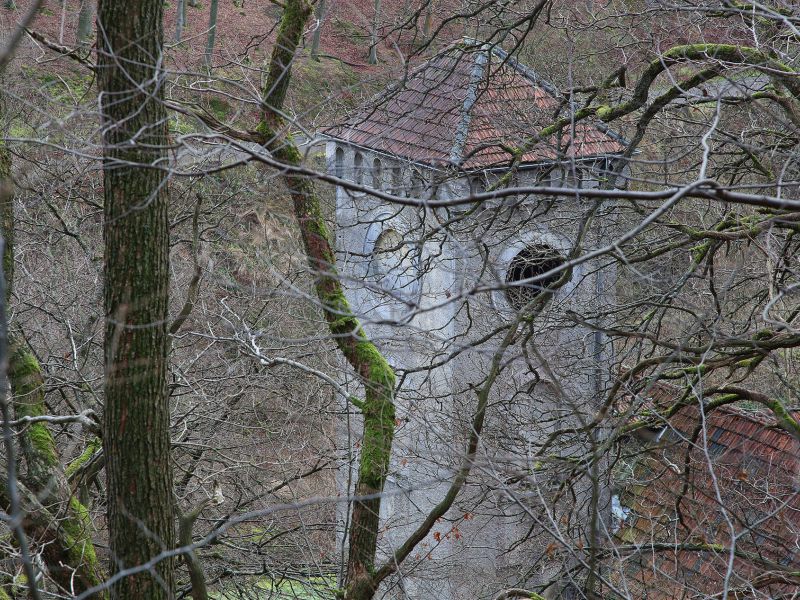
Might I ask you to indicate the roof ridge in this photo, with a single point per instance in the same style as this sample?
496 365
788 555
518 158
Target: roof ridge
462 130
526 71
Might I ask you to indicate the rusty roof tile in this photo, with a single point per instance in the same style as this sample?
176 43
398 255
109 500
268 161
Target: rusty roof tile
756 476
464 107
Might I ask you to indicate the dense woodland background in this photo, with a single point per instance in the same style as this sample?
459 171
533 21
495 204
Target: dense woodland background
173 304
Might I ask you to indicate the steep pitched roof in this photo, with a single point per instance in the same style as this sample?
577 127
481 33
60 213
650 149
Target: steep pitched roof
467 106
738 485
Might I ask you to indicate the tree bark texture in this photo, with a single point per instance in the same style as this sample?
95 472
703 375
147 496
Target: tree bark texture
6 213
136 441
319 14
373 370
180 20
85 22
212 34
373 40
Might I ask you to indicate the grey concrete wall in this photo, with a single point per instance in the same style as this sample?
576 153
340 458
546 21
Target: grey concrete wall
447 301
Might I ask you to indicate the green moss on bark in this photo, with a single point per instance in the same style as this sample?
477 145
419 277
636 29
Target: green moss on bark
38 445
81 550
7 216
375 373
70 556
94 446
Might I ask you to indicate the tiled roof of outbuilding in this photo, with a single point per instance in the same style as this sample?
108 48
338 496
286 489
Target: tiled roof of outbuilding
730 477
467 106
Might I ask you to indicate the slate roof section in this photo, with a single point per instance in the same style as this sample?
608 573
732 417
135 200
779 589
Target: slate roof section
466 107
743 484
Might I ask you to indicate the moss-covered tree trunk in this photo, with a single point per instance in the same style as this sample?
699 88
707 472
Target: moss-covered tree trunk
372 368
136 440
57 522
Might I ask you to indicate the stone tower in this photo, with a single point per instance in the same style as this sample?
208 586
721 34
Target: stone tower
438 288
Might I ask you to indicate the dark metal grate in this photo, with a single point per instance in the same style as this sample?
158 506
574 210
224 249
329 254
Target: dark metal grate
531 262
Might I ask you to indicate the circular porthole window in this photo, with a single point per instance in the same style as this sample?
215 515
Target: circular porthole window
532 261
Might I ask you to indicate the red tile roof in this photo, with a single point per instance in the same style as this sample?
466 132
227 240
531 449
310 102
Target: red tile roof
734 481
467 106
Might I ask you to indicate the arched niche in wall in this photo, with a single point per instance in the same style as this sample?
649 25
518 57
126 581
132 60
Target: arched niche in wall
338 162
397 181
425 184
358 168
393 266
377 174
477 184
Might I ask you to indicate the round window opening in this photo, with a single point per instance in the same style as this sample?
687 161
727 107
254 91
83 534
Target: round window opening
531 262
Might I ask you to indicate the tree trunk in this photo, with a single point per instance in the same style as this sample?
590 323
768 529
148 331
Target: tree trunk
65 543
196 575
180 20
6 211
65 536
63 23
320 15
62 529
373 46
85 22
372 368
136 442
212 33
427 24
